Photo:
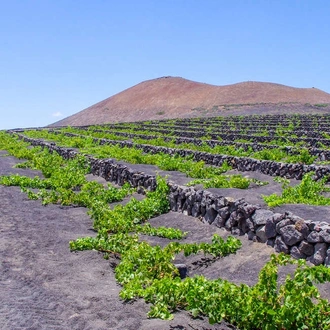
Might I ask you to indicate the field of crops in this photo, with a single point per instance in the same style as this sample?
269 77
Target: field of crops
242 174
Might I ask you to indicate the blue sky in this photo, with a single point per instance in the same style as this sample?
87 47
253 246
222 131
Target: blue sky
61 56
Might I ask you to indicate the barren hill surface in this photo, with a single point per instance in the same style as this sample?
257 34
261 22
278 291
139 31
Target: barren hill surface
175 97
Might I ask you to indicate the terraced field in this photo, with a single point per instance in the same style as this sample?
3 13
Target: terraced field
219 220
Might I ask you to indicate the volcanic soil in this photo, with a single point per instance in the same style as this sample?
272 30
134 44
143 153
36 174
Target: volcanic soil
45 286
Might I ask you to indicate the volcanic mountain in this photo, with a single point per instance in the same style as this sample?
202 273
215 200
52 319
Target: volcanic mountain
175 97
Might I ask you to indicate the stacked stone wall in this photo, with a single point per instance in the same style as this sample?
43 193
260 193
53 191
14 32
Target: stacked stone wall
285 232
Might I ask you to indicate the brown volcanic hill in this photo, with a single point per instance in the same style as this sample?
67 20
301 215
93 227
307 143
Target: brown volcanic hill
174 97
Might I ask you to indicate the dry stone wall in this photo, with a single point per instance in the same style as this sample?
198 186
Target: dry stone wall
272 168
232 136
202 129
106 168
285 232
321 154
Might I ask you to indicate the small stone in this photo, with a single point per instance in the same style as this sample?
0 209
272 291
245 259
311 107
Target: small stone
248 209
234 217
306 248
277 217
280 246
314 237
219 203
320 253
243 226
313 224
296 253
219 221
291 235
260 216
296 219
327 258
325 235
250 224
191 198
173 204
270 228
230 200
282 223
210 215
229 223
224 213
308 222
271 242
302 227
236 231
183 270
196 210
199 195
260 232
251 235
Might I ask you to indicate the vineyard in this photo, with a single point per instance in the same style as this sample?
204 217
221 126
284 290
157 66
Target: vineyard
253 181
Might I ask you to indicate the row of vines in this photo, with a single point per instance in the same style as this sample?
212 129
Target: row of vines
309 191
148 271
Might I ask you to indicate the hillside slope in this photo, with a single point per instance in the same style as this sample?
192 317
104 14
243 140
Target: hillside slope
174 97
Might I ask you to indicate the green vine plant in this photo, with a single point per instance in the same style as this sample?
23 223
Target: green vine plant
65 184
16 147
308 191
227 181
279 154
295 304
65 181
193 169
148 272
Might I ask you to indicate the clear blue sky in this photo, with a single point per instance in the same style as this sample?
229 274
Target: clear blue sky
58 57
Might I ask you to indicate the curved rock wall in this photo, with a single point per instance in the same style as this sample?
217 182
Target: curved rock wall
285 232
272 168
321 154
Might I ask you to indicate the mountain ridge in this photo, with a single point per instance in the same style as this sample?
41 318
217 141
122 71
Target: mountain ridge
176 97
